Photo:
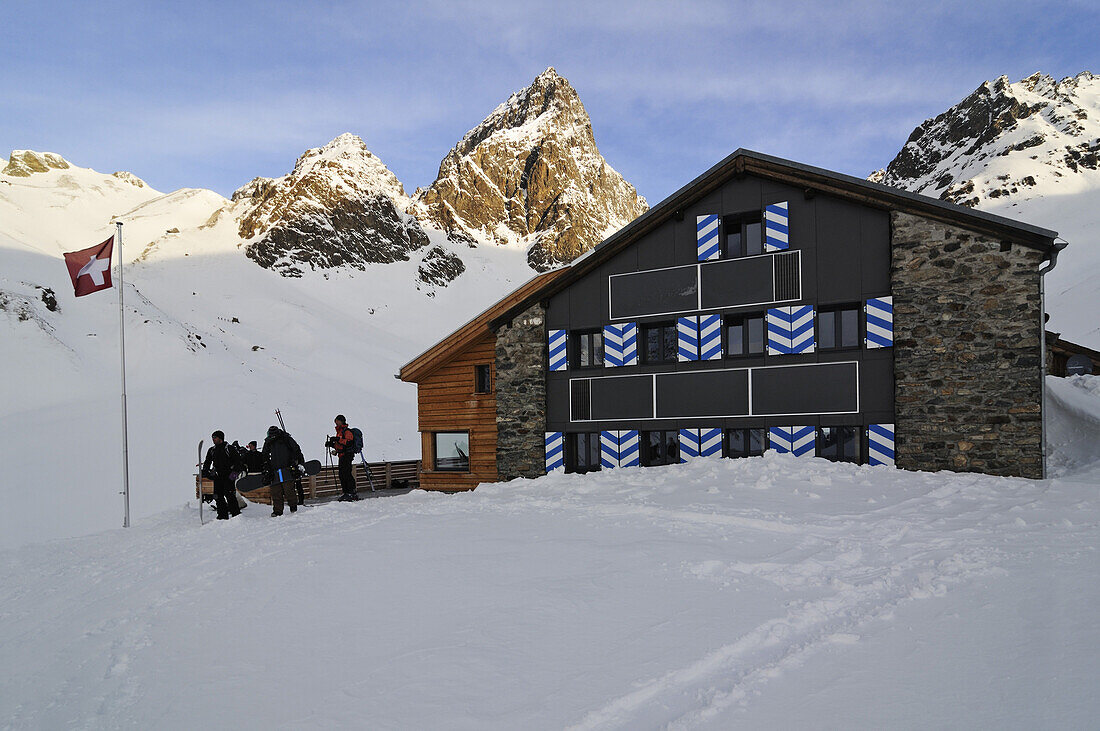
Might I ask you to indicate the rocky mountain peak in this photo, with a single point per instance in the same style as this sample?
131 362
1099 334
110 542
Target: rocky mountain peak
23 163
531 175
1003 140
339 206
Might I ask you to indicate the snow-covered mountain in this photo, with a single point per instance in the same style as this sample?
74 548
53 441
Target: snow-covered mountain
530 176
214 341
1028 150
339 207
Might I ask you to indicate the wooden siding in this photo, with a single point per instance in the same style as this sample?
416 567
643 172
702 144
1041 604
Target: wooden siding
446 401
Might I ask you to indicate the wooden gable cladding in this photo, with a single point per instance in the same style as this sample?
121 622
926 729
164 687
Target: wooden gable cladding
447 401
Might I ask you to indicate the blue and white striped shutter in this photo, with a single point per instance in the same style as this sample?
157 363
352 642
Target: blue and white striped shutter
558 340
801 441
710 337
687 337
775 227
710 442
609 449
790 330
620 344
779 331
689 444
555 451
880 444
880 322
802 329
629 454
706 237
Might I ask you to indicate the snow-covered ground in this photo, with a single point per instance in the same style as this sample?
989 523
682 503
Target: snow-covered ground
770 592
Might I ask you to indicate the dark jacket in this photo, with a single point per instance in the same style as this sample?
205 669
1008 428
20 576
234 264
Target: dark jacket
253 460
280 452
221 461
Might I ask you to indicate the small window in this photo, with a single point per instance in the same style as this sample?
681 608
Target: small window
743 235
660 447
745 442
839 443
744 335
452 451
660 343
483 379
838 327
582 452
589 349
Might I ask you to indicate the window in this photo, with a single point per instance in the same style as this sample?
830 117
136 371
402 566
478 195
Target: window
743 235
483 379
660 343
582 452
660 447
838 327
589 349
745 442
452 451
839 443
744 335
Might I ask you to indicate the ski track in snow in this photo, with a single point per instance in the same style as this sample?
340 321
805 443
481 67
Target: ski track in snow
753 568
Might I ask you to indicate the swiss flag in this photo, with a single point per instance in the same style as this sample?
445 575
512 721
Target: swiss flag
90 269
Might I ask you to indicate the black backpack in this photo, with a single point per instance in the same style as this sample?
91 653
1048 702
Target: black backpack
357 444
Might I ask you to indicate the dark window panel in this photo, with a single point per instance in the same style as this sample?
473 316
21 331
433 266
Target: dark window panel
849 328
756 334
826 330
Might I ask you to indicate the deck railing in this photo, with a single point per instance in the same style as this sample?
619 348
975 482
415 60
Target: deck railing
385 475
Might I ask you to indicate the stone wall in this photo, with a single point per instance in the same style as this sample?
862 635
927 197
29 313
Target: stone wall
968 378
521 396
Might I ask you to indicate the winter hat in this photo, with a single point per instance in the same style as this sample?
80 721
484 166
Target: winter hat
272 431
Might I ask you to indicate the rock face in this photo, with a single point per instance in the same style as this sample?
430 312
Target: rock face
1004 140
340 206
531 175
23 163
128 177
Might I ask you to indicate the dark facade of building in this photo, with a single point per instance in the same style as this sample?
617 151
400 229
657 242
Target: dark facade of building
769 305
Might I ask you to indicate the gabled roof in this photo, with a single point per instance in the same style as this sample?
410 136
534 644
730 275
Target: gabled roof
469 333
812 180
742 162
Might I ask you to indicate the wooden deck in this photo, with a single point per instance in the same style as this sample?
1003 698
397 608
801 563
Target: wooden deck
327 482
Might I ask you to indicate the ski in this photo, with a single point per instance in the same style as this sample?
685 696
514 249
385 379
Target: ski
367 468
199 483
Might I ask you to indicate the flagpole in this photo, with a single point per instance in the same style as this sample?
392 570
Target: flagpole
122 347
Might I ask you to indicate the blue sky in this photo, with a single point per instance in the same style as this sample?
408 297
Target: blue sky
212 94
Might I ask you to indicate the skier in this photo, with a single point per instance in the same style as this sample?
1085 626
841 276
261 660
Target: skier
343 446
282 455
222 461
253 458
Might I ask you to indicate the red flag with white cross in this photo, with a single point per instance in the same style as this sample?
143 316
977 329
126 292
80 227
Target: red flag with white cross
90 269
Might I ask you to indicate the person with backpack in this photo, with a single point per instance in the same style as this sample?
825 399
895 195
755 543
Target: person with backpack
345 445
222 464
282 455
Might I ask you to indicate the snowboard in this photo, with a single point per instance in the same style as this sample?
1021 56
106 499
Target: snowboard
254 481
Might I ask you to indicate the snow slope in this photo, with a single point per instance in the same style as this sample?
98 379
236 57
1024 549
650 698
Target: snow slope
213 342
769 592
